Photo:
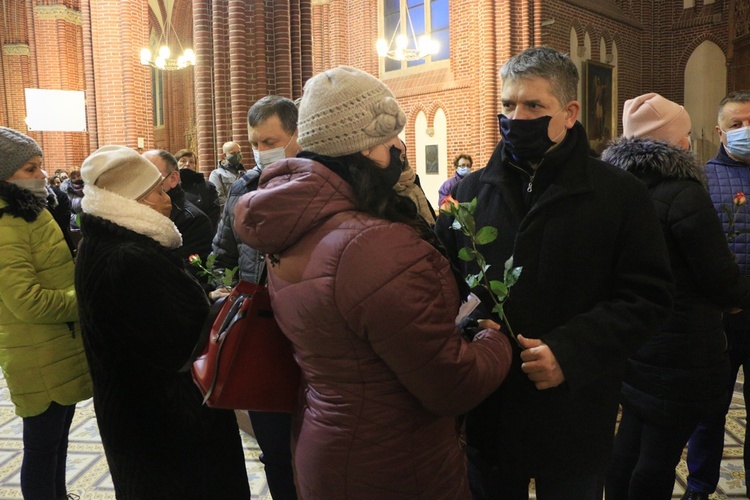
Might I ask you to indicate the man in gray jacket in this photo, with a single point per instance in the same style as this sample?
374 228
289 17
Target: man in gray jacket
272 129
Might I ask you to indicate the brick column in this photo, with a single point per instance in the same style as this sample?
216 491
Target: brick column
238 69
222 88
121 84
92 123
204 99
57 30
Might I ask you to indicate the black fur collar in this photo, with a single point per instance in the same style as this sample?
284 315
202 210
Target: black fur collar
638 155
21 202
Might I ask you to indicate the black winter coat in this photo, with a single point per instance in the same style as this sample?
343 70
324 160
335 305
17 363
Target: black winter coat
141 316
194 226
201 193
680 374
595 285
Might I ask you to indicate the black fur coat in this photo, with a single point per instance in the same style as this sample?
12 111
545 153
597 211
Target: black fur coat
142 315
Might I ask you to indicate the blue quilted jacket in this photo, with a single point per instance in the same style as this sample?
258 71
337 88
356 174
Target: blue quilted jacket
727 177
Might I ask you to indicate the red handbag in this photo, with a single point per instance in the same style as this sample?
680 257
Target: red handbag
247 363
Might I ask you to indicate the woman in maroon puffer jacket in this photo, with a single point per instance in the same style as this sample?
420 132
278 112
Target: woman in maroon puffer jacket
369 303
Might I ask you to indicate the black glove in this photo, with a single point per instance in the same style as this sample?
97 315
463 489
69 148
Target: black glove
468 327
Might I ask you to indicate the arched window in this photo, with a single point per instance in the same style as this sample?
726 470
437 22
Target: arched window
415 18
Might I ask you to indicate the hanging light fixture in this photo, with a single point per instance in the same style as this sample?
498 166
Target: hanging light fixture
405 48
163 59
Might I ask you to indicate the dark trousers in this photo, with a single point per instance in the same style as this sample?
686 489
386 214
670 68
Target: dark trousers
273 431
706 445
45 449
489 483
644 458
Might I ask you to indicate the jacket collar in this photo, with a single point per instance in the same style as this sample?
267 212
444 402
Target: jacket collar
20 202
131 215
563 172
652 160
722 158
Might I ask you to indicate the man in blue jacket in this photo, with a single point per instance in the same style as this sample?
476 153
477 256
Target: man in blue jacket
595 284
728 174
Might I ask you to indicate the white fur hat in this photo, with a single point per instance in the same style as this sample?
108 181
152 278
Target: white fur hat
122 171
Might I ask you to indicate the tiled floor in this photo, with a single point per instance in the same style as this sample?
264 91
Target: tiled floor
87 473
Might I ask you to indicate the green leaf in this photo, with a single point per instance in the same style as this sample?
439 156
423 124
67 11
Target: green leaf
509 263
456 225
498 309
487 234
511 277
472 280
466 254
499 289
210 261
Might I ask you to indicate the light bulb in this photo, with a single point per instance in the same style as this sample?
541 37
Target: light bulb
160 62
434 47
190 56
382 47
145 56
399 54
181 61
164 52
401 42
425 43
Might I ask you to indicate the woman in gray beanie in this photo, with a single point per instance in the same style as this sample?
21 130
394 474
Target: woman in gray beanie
369 303
41 353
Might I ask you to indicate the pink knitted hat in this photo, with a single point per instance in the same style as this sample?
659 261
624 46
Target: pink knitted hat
653 117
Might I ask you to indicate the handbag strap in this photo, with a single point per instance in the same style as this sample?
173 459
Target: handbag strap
234 314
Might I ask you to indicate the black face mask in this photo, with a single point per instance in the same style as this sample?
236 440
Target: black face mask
391 174
526 140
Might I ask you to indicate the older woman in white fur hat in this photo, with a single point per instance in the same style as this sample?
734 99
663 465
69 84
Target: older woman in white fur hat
679 375
142 314
368 302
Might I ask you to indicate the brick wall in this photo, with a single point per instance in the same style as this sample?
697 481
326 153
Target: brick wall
653 39
248 49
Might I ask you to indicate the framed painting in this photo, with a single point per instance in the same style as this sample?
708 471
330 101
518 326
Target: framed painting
432 164
599 107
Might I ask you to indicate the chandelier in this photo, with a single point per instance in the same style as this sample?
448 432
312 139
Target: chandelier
407 48
163 59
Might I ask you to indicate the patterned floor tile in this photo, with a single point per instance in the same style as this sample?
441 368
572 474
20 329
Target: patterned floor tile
87 471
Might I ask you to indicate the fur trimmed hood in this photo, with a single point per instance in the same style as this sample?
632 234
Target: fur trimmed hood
643 156
131 215
21 202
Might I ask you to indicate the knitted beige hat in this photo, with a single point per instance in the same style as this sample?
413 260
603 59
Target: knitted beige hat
652 116
345 110
16 149
122 171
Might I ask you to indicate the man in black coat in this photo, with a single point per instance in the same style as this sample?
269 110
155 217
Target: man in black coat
195 226
596 283
198 190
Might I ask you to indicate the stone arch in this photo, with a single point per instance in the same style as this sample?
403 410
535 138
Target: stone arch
703 37
434 107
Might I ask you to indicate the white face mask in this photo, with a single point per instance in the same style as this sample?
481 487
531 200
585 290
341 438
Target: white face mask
265 158
37 186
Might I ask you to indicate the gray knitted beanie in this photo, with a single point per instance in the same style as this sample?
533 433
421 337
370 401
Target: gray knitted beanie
345 110
15 150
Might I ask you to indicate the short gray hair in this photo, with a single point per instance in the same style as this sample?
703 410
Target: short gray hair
547 63
736 96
